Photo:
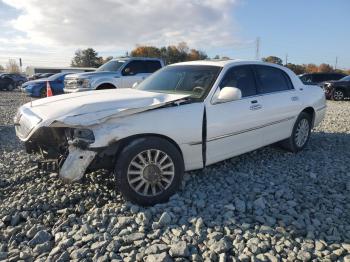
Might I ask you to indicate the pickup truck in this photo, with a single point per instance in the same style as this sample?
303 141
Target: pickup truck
116 73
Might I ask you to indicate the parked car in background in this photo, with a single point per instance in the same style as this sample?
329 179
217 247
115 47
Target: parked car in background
185 116
337 90
7 82
117 73
17 78
319 78
40 75
37 88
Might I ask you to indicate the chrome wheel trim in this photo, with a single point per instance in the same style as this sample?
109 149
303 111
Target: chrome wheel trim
302 132
151 172
338 95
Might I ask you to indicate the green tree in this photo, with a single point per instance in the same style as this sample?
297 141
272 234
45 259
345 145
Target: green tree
86 58
273 59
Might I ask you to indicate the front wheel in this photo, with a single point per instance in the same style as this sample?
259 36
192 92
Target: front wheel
338 95
149 170
300 134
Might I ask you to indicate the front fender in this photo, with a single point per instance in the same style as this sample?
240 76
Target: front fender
115 81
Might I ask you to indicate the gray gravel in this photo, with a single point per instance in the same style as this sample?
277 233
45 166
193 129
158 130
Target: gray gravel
267 205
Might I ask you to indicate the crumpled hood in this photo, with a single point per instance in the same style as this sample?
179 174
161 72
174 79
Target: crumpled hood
93 107
91 75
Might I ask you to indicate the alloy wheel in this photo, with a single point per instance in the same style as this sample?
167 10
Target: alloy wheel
338 95
151 172
302 132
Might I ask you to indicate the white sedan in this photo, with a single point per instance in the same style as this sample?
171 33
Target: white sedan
185 116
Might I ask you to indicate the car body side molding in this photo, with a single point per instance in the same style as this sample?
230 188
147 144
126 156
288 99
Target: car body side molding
242 131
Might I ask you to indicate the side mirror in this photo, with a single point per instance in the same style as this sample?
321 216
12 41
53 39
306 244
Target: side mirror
227 94
134 85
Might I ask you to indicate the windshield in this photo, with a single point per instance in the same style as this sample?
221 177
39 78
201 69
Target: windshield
195 80
347 78
110 66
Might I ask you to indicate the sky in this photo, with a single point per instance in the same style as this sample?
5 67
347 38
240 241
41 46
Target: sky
46 33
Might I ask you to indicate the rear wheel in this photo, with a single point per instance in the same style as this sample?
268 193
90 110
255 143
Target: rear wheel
338 95
300 134
10 87
149 170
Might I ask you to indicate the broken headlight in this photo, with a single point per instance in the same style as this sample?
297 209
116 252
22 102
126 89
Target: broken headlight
81 137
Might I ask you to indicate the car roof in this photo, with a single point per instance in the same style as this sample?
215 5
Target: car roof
135 58
226 62
323 73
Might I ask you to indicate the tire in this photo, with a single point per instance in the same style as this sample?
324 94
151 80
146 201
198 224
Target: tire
296 142
10 87
43 92
338 95
137 179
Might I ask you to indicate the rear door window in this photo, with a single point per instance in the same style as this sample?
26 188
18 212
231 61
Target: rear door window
241 77
272 79
153 66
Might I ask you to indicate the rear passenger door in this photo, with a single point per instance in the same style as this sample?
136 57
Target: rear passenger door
153 65
134 71
280 103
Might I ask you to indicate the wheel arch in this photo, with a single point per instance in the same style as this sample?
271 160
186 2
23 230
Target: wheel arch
125 141
111 152
106 85
310 111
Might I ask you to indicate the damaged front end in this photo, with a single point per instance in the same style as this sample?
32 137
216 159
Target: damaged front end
65 150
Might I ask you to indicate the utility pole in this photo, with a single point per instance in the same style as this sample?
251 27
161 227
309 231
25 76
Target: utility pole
20 64
257 53
286 59
336 63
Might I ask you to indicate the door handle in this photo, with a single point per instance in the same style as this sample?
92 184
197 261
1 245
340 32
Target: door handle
294 98
255 107
254 101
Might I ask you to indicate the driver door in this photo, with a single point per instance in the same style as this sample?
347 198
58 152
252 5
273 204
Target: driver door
233 127
134 71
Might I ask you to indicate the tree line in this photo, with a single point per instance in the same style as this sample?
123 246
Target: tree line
173 54
306 68
170 54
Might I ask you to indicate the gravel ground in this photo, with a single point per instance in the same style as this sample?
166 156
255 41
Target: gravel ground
267 205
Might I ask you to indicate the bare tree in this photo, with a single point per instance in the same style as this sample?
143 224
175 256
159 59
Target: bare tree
12 66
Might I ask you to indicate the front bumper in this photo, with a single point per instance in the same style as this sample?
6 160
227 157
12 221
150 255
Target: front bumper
76 163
